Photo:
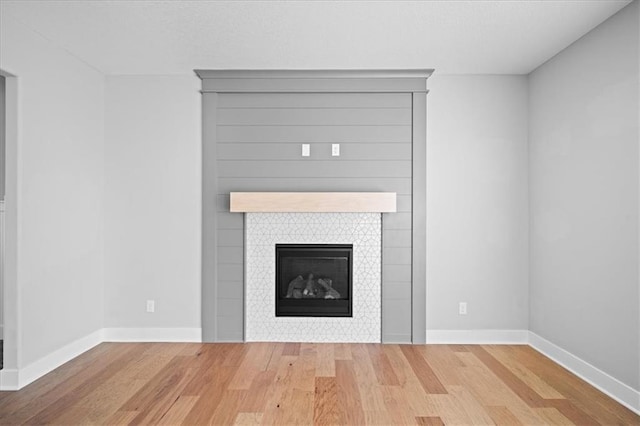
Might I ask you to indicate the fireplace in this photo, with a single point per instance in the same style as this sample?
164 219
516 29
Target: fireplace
265 231
314 280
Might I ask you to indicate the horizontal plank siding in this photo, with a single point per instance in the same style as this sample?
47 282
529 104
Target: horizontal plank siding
321 151
314 134
314 117
319 100
259 137
401 186
313 169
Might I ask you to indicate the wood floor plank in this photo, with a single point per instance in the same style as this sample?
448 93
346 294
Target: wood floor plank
176 414
291 349
472 407
382 366
589 399
248 419
342 351
258 393
325 407
310 383
326 364
444 362
430 421
501 416
423 371
280 391
371 396
256 361
398 406
527 394
553 417
538 385
349 401
59 400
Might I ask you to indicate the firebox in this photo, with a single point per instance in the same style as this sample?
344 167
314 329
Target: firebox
314 280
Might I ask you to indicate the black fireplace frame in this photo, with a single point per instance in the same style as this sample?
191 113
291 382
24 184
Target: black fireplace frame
314 307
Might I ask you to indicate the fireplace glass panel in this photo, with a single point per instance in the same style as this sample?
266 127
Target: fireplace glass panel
314 280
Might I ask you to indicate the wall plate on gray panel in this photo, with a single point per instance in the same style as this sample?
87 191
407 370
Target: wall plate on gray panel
254 123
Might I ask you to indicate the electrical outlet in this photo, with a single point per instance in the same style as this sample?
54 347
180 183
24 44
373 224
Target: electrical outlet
151 306
462 308
306 150
335 149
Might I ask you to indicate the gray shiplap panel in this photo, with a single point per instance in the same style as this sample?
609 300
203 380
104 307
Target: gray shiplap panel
264 151
396 255
319 151
314 169
228 220
230 272
231 290
396 291
397 221
397 316
233 255
230 307
319 100
223 203
230 328
396 238
314 117
401 186
403 203
230 238
396 273
231 220
311 134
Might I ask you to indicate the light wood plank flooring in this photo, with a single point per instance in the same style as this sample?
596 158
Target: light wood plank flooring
300 384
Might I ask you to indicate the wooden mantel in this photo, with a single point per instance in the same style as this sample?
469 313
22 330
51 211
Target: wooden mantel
313 202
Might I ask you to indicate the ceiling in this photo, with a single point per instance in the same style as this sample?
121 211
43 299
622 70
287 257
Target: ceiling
175 37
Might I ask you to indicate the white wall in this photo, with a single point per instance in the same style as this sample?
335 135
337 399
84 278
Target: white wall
584 198
59 192
152 209
477 211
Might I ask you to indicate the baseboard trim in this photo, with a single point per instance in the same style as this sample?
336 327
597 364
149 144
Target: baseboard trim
478 337
50 362
9 380
597 378
152 335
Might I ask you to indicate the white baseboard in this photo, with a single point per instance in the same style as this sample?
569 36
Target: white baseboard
9 380
478 337
50 362
597 378
152 335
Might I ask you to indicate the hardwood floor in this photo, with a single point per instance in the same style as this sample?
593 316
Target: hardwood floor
298 384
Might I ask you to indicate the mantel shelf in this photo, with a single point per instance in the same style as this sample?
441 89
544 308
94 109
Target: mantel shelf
313 202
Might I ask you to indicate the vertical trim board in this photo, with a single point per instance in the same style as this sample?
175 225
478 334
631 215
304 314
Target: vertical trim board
209 217
419 228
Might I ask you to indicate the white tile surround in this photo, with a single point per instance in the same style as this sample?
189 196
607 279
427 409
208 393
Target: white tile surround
264 230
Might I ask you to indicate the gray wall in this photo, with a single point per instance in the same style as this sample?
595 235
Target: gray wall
584 198
3 105
477 203
259 139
